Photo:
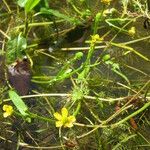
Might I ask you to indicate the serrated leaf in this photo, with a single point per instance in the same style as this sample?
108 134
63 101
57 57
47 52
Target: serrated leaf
18 102
15 48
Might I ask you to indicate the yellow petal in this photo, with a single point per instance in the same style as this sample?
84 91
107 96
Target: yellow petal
59 123
5 107
69 125
57 116
8 110
64 112
5 114
132 31
96 36
71 119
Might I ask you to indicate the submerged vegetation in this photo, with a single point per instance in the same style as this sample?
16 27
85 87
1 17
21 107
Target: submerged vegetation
74 74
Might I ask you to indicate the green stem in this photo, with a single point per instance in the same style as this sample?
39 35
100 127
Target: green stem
41 118
130 49
77 109
60 137
98 18
26 25
75 8
132 115
35 24
121 75
31 115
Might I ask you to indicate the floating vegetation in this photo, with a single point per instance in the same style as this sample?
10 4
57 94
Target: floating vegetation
74 74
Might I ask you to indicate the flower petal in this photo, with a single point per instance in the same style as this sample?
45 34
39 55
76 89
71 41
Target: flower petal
71 119
64 112
59 123
58 116
8 110
5 114
68 124
5 107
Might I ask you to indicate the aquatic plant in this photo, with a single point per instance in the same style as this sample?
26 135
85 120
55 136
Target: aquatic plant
64 119
8 110
84 58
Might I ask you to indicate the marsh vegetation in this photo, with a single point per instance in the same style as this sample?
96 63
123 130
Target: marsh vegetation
75 74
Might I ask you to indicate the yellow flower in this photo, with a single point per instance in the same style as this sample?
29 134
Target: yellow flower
64 119
131 31
95 38
8 110
107 2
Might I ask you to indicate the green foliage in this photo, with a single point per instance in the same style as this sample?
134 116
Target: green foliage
95 91
123 141
22 3
115 67
18 102
106 57
66 71
117 22
79 92
15 48
98 18
28 4
57 14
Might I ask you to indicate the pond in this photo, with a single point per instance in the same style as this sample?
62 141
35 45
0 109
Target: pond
75 72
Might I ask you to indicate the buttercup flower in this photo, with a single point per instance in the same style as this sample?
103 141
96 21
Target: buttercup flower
8 110
107 2
64 119
131 31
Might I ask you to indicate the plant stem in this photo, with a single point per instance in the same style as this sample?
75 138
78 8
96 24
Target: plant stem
41 118
132 115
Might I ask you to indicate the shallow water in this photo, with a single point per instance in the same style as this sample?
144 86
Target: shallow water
102 80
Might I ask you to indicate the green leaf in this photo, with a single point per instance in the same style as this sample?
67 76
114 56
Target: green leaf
21 43
28 4
31 4
15 47
59 15
18 102
22 3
